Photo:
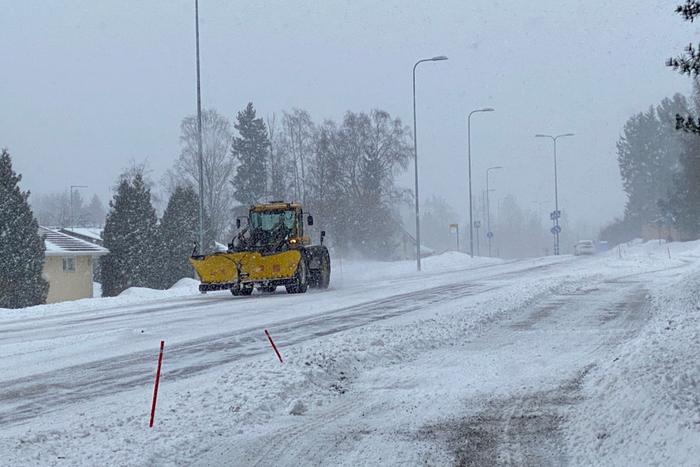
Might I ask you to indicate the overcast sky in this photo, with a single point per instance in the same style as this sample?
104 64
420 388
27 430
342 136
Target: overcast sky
87 86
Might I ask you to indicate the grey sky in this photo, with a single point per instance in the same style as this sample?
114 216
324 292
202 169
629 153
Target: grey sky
87 86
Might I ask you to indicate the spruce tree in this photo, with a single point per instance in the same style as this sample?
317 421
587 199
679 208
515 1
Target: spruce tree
178 230
251 150
94 213
688 63
21 247
685 200
131 236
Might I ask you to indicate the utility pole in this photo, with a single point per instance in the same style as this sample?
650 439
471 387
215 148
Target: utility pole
199 136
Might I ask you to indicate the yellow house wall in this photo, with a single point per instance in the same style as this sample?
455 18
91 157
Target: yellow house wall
64 285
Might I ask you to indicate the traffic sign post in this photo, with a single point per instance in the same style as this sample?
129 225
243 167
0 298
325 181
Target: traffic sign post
454 228
477 226
556 229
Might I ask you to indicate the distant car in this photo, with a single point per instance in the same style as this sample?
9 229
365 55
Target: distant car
584 247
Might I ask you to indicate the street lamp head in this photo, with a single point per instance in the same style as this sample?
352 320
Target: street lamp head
439 57
567 134
496 167
539 135
487 109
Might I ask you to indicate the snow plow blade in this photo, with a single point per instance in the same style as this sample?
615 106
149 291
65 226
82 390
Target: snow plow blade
225 270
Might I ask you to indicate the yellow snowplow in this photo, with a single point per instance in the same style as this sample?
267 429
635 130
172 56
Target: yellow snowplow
270 251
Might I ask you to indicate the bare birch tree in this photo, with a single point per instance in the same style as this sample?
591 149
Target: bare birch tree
217 162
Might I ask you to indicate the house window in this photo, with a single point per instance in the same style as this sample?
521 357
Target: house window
69 264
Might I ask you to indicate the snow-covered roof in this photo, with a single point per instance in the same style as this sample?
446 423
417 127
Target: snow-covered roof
94 233
60 244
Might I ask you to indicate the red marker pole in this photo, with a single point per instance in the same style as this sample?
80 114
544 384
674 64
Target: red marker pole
273 346
155 389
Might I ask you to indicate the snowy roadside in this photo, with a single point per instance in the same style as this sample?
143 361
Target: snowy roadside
132 296
647 398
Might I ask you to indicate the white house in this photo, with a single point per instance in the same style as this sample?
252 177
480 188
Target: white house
68 265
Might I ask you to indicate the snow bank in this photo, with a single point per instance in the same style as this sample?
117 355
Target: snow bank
647 397
184 286
130 296
353 271
186 283
96 290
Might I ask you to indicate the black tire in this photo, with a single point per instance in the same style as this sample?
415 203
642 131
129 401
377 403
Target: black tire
267 289
242 290
324 274
301 282
320 278
314 278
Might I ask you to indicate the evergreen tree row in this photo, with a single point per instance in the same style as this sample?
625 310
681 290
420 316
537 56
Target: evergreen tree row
143 251
659 157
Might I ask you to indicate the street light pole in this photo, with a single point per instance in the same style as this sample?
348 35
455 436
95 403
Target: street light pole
469 163
71 202
415 153
556 229
199 135
489 233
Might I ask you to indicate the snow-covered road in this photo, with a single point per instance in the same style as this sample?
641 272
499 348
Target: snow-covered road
203 332
471 362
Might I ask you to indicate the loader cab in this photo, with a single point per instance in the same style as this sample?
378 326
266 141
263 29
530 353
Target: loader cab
271 223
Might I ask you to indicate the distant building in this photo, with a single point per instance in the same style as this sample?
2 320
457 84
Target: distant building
68 266
664 231
92 235
406 247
